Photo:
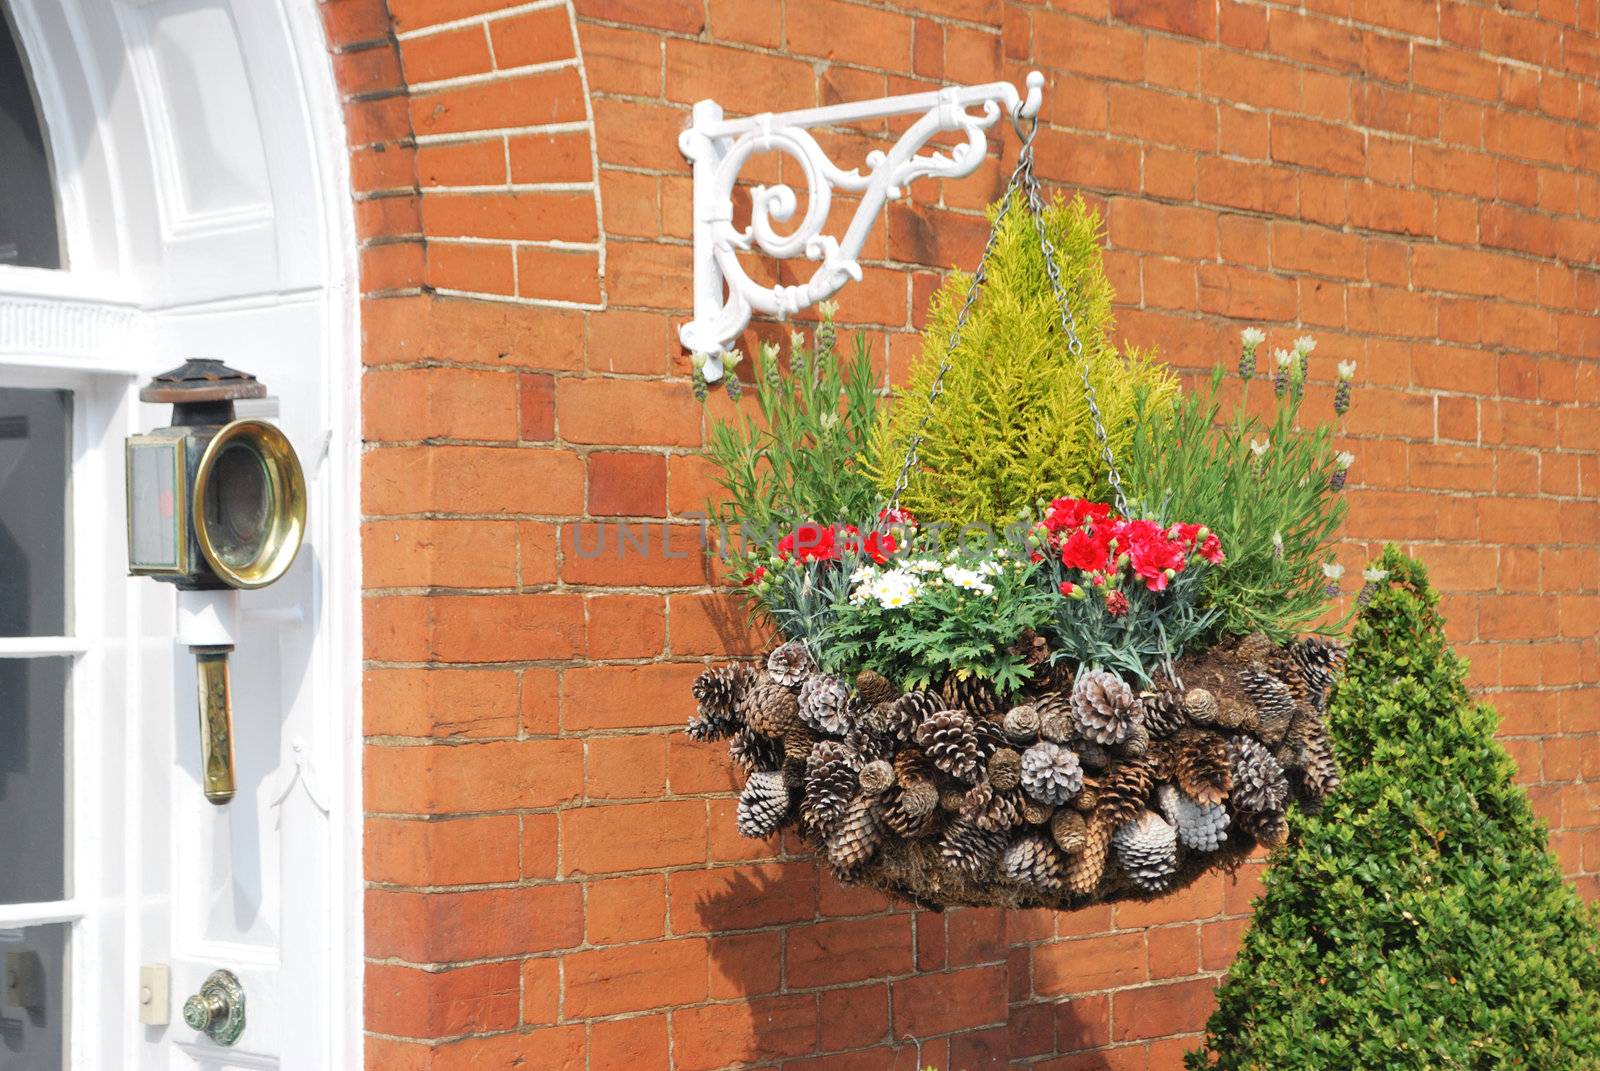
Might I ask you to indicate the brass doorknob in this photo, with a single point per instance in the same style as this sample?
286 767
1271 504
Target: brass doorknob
218 1009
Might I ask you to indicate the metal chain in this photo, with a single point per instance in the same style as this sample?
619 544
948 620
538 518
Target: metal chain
1069 322
1022 177
978 278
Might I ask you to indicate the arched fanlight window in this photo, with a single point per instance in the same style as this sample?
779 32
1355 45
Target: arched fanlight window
30 231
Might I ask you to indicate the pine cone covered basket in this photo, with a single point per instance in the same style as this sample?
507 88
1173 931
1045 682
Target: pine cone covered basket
1084 789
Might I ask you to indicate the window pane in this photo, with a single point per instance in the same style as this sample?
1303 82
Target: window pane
34 448
30 233
33 1033
33 780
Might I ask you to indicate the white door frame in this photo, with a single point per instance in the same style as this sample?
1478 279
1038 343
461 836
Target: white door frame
135 288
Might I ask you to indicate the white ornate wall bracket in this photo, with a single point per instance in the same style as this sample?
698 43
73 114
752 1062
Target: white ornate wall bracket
725 296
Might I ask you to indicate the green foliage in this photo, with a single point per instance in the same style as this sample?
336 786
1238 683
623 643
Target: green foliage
799 461
1153 631
920 618
1419 920
1276 513
1012 424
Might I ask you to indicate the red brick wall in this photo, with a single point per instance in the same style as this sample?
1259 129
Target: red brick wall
552 867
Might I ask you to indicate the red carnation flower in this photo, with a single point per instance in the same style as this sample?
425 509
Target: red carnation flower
1116 603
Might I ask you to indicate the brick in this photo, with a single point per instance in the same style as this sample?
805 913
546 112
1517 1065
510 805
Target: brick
1173 16
626 626
471 480
633 836
541 36
438 403
637 1042
451 54
757 1031
626 412
444 927
472 269
721 898
461 163
627 485
1318 146
527 216
567 275
440 702
431 1004
462 851
625 767
852 950
1169 229
951 1001
639 977
1158 1010
561 156
556 1046
622 910
546 97
1088 964
849 33
678 16
444 779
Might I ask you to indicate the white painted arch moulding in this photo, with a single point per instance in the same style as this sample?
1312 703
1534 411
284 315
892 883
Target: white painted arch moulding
725 296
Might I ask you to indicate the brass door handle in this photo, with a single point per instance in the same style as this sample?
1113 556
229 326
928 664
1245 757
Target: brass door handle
218 1009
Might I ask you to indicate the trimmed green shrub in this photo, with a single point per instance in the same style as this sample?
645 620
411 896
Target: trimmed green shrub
1012 425
1419 920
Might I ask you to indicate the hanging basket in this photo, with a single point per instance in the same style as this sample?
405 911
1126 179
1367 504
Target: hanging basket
1081 786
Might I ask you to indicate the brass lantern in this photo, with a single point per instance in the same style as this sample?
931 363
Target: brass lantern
214 504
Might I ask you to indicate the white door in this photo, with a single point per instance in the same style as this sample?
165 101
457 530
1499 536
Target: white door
171 186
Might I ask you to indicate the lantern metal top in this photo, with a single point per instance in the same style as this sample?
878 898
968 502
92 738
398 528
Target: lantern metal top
202 379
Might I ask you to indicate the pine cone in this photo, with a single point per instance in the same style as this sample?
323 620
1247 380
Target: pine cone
790 664
1054 675
1311 757
831 781
1163 759
1051 773
908 712
1135 744
1202 766
1005 769
1088 866
1259 783
990 809
876 777
1200 706
1123 792
770 709
1068 829
950 741
1035 813
704 726
719 690
1266 828
1147 848
974 695
1021 725
825 704
1275 704
991 737
875 688
1201 826
1255 647
1032 648
1091 754
1232 714
1319 660
1163 711
764 804
753 752
1056 721
1104 706
911 808
1032 861
854 841
797 744
969 850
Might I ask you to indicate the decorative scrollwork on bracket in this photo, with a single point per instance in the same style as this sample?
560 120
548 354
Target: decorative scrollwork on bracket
725 296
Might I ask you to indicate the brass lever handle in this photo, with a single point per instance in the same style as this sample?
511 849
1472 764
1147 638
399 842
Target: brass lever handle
218 1009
